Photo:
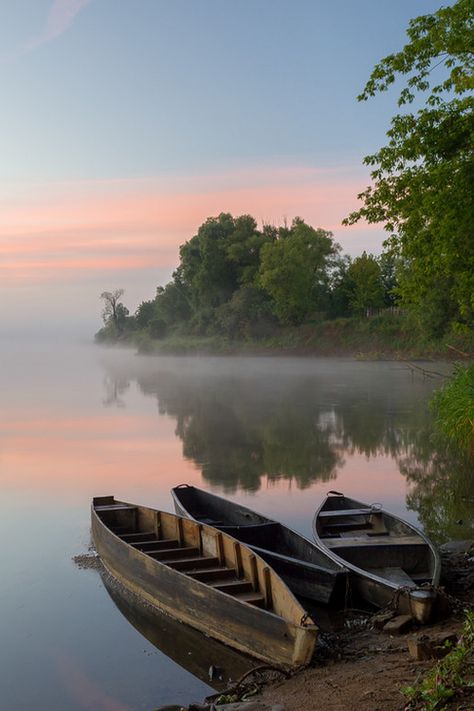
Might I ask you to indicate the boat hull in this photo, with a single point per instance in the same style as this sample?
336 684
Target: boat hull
259 633
304 567
379 542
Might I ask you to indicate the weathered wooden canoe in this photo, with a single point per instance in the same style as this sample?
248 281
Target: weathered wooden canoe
388 558
205 578
307 570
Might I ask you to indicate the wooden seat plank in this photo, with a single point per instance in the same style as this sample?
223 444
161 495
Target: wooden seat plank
206 575
347 512
137 536
194 563
360 541
347 525
254 598
165 554
156 544
232 587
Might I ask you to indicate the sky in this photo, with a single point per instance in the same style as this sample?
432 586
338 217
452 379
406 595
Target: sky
126 123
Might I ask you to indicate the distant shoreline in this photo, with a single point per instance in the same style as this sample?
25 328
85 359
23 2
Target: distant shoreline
378 338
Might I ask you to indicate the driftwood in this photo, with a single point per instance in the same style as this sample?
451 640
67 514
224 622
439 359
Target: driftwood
234 688
427 373
456 350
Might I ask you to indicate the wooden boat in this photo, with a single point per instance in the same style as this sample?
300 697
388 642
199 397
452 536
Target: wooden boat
205 578
212 662
307 570
388 558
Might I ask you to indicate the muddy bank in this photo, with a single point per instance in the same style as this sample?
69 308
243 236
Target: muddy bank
367 673
373 670
367 670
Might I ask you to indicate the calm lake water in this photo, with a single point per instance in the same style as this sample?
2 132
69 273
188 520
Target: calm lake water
276 434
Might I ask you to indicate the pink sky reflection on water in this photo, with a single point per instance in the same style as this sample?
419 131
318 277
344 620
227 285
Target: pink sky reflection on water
86 692
116 453
138 457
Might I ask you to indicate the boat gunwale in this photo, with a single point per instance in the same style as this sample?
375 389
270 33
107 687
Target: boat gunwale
341 567
201 583
363 572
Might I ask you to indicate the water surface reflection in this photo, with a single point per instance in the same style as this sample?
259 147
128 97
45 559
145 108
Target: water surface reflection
249 423
275 434
207 659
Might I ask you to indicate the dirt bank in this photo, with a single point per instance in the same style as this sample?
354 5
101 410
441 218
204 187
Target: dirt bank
370 668
369 677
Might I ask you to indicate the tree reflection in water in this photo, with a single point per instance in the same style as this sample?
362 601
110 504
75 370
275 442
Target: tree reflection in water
442 486
237 432
297 422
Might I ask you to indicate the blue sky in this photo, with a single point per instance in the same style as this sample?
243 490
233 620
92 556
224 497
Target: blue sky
250 103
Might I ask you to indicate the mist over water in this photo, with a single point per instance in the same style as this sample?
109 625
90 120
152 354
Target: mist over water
275 433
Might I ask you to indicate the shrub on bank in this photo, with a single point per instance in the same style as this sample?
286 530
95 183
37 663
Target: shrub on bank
450 680
454 408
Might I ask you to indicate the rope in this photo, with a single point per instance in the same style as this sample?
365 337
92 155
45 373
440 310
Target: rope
234 688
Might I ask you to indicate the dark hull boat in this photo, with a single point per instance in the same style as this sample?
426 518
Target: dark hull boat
205 578
388 558
307 570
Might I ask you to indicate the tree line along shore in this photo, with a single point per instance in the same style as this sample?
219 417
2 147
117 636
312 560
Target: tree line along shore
286 289
238 288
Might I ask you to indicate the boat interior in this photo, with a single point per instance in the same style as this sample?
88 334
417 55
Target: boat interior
369 538
214 510
262 534
199 552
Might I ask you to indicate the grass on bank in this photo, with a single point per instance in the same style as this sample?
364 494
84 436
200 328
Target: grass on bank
454 409
380 337
451 680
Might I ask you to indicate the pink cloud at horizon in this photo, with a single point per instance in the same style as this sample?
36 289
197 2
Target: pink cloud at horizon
75 228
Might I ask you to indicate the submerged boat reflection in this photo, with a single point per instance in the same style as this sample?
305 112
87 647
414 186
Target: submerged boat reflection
207 659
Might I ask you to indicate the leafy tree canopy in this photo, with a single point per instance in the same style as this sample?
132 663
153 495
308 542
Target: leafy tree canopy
294 270
364 284
242 282
223 254
145 313
423 177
